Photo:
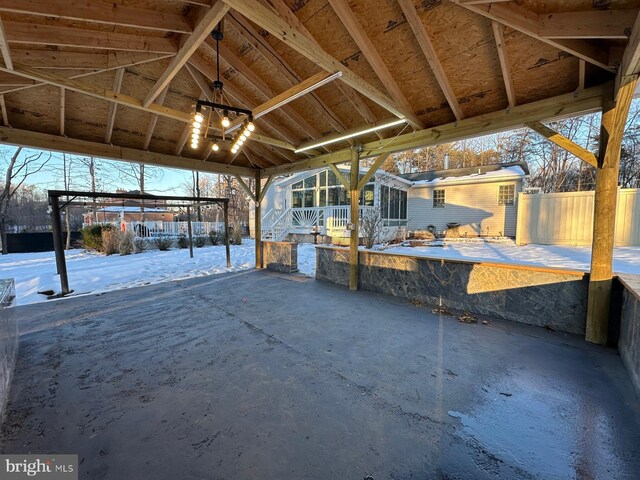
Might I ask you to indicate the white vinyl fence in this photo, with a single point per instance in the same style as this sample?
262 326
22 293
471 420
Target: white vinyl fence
567 218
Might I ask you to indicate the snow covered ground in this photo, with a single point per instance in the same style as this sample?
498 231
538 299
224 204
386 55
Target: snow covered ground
626 259
91 272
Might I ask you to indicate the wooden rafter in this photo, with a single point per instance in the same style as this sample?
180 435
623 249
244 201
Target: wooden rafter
90 61
154 119
53 35
421 35
527 22
286 71
372 170
111 116
188 48
498 34
4 47
570 104
598 24
270 21
56 143
630 66
100 12
350 94
62 110
564 143
353 26
3 107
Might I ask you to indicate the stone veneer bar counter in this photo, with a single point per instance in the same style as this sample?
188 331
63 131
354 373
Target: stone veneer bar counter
551 297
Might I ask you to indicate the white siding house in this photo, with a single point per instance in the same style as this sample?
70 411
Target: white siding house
482 200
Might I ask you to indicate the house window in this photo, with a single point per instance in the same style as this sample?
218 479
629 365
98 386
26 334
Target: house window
507 195
393 206
438 198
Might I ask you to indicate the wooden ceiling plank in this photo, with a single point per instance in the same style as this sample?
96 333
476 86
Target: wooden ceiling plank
111 116
498 34
208 22
270 21
600 24
270 55
421 35
527 22
100 12
100 93
154 119
353 26
56 143
53 35
570 104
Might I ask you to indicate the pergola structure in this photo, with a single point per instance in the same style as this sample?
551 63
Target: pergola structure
120 79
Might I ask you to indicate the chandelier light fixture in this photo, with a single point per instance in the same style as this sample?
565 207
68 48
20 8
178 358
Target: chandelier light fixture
207 114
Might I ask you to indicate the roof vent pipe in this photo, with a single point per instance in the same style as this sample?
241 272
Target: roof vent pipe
446 161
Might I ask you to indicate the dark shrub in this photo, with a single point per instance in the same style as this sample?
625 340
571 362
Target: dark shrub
183 241
163 242
200 241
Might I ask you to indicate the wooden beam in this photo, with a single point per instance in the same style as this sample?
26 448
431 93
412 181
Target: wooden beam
562 106
527 22
93 61
581 74
154 119
340 177
5 116
245 187
498 34
4 47
614 117
355 30
372 170
265 187
55 143
183 139
62 110
630 66
111 116
188 48
564 143
421 35
258 222
256 137
53 35
354 204
100 12
270 21
597 24
100 93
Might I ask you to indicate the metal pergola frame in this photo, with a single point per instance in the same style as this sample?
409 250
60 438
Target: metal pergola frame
56 221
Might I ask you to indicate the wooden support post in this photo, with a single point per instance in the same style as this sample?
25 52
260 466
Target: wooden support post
189 232
614 117
226 233
355 220
56 230
258 221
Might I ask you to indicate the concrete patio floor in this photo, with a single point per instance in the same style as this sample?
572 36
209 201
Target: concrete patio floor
255 375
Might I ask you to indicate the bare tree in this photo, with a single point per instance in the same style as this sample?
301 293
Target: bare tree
18 170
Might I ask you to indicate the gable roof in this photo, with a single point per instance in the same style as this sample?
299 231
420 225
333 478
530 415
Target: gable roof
468 173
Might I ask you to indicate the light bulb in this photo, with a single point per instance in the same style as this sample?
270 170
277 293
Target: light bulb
225 119
251 126
243 137
246 132
215 147
194 145
198 117
195 137
197 124
239 141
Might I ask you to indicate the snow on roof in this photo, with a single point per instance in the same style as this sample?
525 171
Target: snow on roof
120 208
480 176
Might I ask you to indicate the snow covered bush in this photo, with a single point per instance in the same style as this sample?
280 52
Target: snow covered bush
92 236
163 242
139 245
110 240
126 243
183 241
200 241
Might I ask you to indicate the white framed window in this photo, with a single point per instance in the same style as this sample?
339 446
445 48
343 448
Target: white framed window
507 195
438 198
